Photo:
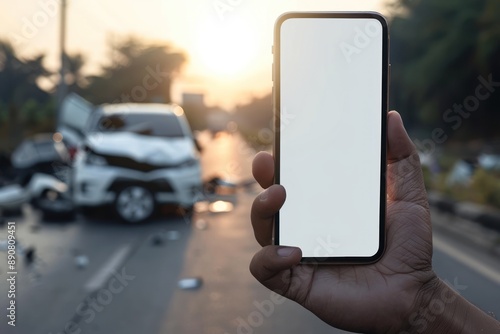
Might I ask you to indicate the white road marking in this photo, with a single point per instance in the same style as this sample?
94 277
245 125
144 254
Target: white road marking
469 261
107 269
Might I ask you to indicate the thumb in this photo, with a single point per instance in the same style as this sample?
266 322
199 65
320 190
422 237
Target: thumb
404 172
271 266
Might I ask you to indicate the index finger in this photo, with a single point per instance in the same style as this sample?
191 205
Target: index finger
263 169
263 210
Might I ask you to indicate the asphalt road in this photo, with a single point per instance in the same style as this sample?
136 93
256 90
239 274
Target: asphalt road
101 276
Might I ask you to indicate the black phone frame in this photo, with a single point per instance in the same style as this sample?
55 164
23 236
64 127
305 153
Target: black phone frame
384 111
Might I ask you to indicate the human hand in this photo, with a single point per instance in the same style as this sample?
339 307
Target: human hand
378 297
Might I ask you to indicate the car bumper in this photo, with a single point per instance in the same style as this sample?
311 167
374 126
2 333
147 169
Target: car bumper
98 185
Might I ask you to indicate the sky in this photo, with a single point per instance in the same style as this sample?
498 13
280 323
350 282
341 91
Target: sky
228 42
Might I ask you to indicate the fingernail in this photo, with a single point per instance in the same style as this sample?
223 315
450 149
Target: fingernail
285 251
263 196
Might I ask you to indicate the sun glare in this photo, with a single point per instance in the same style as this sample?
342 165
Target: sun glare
226 49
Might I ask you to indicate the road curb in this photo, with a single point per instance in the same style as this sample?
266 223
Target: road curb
468 222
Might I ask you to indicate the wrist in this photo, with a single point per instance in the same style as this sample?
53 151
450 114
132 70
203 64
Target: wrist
440 309
434 308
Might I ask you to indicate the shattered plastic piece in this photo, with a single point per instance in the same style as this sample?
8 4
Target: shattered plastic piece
29 254
201 224
157 240
221 206
190 283
160 238
81 261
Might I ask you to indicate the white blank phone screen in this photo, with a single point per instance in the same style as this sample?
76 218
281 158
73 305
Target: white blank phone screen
330 134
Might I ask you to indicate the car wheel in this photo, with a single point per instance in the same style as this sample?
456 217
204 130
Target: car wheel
134 204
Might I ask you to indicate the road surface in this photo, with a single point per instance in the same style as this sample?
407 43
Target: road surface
105 277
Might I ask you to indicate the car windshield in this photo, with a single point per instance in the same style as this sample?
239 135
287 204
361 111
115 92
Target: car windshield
158 125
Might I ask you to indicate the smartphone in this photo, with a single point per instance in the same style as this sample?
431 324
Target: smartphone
330 77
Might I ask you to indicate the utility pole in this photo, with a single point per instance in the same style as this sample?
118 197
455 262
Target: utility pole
62 88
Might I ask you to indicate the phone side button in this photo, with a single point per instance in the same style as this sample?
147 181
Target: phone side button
388 83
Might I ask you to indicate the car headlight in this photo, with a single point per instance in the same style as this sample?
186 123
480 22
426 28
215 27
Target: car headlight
94 159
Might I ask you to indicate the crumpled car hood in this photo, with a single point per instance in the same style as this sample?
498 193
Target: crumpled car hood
141 148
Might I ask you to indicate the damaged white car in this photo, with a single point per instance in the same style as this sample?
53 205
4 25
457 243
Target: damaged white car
135 157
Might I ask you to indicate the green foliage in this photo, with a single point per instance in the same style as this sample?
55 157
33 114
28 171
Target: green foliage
18 77
18 90
137 73
438 51
34 113
447 161
30 112
483 188
428 177
34 117
4 115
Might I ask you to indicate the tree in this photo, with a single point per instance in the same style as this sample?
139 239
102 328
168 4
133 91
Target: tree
438 51
137 73
18 85
75 78
18 77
